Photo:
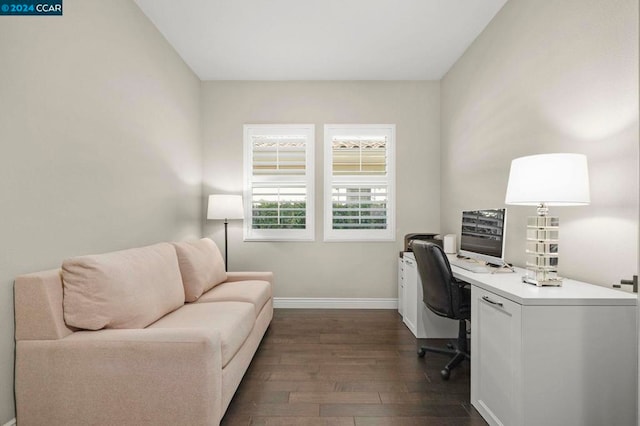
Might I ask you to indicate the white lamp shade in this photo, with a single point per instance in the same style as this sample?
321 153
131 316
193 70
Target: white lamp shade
225 207
551 179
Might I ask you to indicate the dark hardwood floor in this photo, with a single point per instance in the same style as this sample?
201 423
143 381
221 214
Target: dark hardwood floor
348 367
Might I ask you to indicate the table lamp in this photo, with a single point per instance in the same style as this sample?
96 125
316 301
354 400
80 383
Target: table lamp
225 207
546 180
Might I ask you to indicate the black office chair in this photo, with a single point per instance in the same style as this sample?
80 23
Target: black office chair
445 296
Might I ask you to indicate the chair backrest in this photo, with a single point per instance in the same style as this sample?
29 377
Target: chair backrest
440 291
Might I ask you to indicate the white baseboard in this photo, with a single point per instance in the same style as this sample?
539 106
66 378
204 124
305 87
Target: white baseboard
11 422
333 303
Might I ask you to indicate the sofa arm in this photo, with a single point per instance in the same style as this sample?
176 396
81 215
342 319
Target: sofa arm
244 276
123 377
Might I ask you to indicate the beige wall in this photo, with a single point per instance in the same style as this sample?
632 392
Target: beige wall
100 144
319 269
553 76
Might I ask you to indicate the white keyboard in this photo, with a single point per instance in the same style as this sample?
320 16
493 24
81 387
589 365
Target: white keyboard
469 265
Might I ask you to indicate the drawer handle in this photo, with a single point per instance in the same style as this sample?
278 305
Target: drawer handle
493 302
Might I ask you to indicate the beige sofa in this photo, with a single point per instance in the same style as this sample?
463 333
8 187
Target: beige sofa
158 335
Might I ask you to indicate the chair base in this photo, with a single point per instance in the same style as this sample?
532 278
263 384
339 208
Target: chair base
459 352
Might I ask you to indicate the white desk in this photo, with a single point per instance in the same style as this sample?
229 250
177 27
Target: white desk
551 355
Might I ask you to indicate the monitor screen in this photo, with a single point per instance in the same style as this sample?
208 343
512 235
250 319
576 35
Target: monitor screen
483 235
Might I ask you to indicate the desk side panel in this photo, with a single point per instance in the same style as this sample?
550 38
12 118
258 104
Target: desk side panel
580 365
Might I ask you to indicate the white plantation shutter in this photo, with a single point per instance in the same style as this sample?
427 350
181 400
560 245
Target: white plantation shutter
359 182
359 156
279 182
278 155
359 207
278 207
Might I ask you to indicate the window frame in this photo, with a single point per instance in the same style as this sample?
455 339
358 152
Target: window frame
308 130
338 235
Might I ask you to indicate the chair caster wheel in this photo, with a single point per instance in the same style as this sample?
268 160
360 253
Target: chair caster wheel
445 374
421 352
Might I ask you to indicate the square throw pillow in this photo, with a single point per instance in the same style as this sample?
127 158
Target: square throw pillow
123 289
201 266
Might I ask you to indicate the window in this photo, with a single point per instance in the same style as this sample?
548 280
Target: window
359 182
278 170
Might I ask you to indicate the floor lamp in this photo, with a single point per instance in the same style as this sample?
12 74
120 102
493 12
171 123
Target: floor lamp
225 207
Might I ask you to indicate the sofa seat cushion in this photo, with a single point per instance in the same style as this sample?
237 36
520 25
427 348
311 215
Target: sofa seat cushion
201 266
233 320
123 289
252 291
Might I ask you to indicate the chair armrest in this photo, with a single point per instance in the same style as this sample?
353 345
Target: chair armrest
142 376
244 276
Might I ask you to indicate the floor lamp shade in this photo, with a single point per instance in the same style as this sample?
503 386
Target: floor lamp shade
225 207
546 180
222 206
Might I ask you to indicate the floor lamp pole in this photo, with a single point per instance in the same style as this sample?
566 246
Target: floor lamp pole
226 263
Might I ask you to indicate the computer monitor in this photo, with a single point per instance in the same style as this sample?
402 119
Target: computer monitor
483 235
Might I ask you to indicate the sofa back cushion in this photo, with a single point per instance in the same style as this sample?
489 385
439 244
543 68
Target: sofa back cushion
201 266
124 289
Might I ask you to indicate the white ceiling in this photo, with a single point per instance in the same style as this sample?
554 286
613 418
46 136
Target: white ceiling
320 39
